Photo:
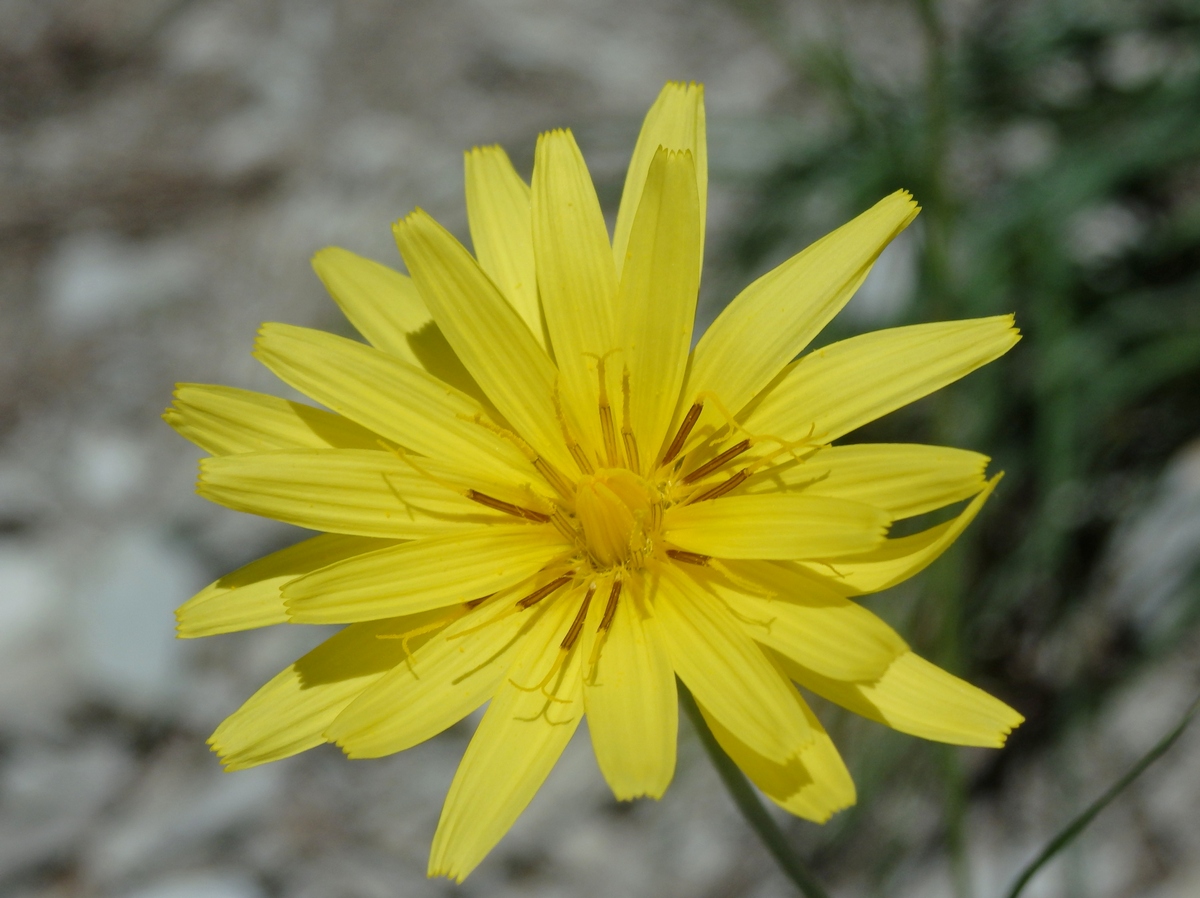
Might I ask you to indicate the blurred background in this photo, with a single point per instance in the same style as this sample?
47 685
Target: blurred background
167 167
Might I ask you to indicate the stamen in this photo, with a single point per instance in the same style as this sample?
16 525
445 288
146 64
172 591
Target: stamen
705 469
541 687
560 483
689 557
507 507
730 421
538 594
741 476
722 488
610 610
685 429
577 453
564 527
552 475
631 449
577 625
607 429
474 495
399 452
528 602
409 635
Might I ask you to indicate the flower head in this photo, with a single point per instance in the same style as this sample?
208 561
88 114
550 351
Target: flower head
534 494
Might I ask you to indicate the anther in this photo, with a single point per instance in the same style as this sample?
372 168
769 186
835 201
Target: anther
740 477
507 507
554 478
607 429
564 527
580 616
722 488
540 593
631 449
689 557
551 474
610 610
577 453
685 429
707 468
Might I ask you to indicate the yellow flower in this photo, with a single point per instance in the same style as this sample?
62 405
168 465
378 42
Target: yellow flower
533 494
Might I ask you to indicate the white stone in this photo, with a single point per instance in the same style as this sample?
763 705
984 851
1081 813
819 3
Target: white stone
30 592
177 806
51 795
126 627
95 278
208 884
105 467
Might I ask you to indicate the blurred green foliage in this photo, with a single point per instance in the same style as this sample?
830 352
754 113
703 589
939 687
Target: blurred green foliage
1055 149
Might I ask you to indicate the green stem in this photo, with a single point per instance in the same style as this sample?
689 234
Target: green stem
750 805
1068 834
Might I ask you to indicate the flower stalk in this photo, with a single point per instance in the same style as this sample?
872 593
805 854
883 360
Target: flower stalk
773 838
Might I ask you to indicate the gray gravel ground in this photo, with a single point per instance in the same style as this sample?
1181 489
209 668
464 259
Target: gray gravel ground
166 169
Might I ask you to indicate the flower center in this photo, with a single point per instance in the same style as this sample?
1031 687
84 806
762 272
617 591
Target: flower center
617 510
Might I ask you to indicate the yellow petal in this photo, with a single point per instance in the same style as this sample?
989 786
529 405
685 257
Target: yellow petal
814 784
807 621
629 695
919 698
427 573
250 596
450 676
226 421
517 743
488 335
895 560
656 303
385 307
775 525
725 670
675 121
382 304
840 387
392 398
352 491
289 713
770 322
576 277
902 479
499 215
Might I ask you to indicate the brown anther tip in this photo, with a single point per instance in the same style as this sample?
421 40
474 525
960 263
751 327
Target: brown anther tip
610 610
689 557
507 507
538 594
684 431
708 467
722 488
580 616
